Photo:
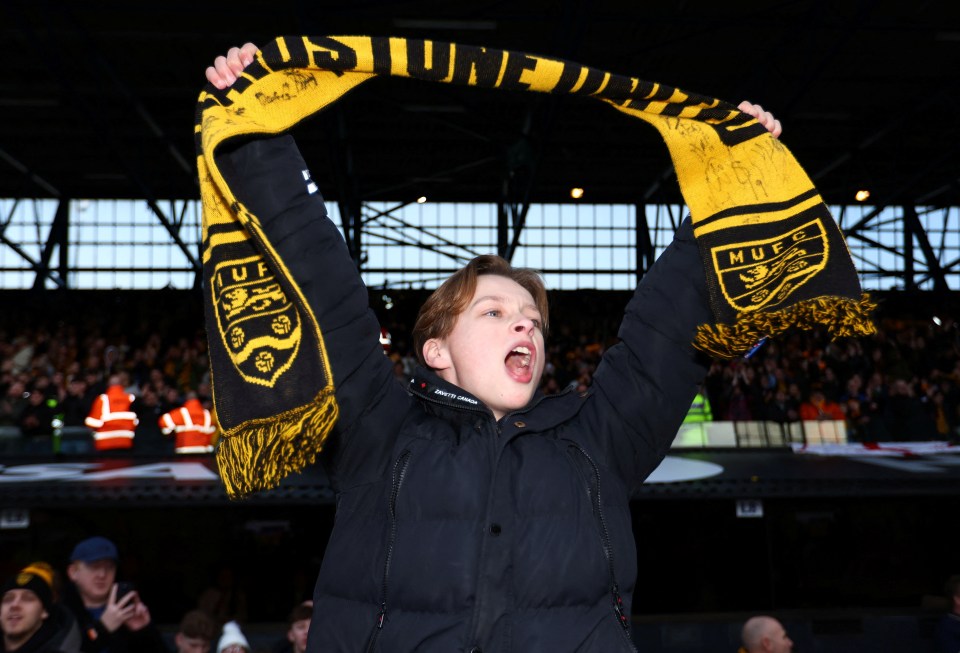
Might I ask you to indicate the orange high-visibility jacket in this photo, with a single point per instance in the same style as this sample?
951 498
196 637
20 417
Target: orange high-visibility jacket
112 420
193 426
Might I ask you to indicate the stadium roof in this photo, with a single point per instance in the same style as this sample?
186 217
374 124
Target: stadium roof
97 98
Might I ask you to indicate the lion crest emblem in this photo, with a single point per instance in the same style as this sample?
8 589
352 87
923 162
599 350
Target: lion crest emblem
258 324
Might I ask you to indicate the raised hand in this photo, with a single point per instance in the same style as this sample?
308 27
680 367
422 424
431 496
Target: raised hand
226 69
118 611
765 118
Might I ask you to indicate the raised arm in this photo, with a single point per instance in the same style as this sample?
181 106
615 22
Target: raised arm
270 178
645 384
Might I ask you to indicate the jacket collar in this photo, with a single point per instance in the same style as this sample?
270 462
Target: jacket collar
428 386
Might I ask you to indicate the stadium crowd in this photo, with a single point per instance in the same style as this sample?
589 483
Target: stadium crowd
902 384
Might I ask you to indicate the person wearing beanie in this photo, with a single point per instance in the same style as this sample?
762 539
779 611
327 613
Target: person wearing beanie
112 619
30 619
232 640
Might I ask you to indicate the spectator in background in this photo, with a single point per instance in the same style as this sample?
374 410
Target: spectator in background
948 630
781 408
764 635
112 419
855 404
31 619
817 408
75 404
13 403
36 420
232 640
196 633
738 404
95 385
936 408
22 354
298 627
191 425
170 398
830 384
149 410
226 599
111 620
904 414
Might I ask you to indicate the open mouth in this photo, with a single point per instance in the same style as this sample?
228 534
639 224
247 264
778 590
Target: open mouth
518 363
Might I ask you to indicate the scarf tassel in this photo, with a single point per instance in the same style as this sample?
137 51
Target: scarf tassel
840 316
257 456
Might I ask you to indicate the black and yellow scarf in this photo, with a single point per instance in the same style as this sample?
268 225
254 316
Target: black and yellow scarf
773 255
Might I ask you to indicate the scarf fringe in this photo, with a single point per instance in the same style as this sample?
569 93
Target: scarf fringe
840 316
257 457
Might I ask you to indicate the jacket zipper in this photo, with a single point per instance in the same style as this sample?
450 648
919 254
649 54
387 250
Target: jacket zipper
399 472
595 499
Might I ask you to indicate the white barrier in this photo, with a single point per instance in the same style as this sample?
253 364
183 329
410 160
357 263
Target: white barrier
759 434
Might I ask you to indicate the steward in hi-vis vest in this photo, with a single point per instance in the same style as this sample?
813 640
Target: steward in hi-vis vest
193 426
111 419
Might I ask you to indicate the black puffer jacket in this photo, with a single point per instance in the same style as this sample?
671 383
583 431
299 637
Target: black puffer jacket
455 531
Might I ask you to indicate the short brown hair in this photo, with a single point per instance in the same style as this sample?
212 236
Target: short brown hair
299 613
198 625
439 313
952 587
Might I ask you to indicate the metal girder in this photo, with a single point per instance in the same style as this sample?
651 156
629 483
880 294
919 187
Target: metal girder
913 229
511 215
29 174
932 100
41 270
908 258
93 53
526 153
406 239
522 160
174 231
900 191
348 194
57 235
56 238
46 51
644 243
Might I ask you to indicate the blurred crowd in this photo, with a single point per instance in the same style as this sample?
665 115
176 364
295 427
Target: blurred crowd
902 384
60 351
